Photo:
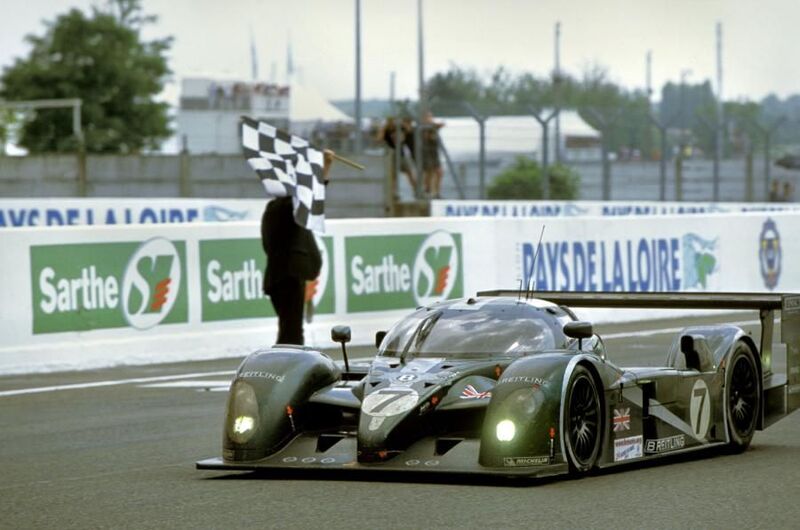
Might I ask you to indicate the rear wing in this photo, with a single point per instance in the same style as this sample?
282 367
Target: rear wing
765 303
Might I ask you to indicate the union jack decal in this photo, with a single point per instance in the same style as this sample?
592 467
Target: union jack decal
469 392
622 420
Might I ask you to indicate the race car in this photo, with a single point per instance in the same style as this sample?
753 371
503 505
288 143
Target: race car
508 384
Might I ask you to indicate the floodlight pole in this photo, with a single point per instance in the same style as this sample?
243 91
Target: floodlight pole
358 144
421 106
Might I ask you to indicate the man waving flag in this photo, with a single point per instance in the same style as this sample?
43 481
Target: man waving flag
288 166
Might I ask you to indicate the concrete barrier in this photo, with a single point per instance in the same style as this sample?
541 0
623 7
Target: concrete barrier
90 296
478 208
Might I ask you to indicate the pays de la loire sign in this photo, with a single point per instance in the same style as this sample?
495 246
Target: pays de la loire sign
402 271
232 275
81 287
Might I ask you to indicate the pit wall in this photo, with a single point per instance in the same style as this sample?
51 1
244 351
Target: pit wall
78 297
467 208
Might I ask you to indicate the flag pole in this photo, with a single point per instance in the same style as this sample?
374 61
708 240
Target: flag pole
348 162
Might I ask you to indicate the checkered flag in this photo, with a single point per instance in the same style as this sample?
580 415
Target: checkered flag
287 166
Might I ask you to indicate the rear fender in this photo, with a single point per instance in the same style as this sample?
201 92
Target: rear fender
720 339
272 387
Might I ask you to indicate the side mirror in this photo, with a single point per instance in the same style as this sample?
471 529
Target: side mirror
340 334
578 330
379 338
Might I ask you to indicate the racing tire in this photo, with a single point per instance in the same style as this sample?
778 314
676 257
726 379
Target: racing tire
582 421
742 397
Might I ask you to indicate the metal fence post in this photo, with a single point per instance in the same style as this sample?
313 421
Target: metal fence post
536 113
482 147
184 185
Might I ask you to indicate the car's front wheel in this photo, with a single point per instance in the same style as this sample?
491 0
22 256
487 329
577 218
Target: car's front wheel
743 396
582 421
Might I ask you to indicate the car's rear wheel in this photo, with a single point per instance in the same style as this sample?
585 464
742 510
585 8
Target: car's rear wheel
582 421
743 396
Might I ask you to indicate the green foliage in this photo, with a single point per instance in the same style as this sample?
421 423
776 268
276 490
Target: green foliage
102 60
523 180
500 93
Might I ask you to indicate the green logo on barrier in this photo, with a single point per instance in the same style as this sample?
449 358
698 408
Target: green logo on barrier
232 275
83 287
403 271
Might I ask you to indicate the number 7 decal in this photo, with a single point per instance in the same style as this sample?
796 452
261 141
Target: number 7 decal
700 409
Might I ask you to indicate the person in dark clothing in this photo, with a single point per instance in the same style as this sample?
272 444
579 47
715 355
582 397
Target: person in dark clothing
388 134
431 166
292 259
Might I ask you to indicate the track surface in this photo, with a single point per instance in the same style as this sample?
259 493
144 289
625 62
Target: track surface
122 455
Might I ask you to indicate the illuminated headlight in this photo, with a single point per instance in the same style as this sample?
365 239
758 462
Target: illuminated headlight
243 424
242 420
506 431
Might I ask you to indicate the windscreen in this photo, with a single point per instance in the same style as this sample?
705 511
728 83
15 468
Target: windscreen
511 331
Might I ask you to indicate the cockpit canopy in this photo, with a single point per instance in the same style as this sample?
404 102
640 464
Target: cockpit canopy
477 328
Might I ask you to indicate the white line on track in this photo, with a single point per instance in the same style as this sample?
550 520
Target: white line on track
98 384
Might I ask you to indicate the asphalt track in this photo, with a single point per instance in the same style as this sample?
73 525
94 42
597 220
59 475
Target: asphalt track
117 449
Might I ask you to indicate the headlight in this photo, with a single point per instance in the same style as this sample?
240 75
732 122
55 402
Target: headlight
506 431
243 424
242 420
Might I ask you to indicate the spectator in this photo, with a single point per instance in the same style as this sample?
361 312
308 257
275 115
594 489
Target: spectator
774 190
292 259
388 135
431 165
788 192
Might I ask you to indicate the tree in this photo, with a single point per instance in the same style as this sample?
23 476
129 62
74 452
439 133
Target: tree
523 180
102 60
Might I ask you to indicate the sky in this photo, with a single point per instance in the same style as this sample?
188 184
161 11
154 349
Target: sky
212 38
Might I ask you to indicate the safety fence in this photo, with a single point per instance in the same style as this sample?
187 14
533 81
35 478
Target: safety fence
88 296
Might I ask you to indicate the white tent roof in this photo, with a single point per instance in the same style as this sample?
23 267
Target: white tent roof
308 105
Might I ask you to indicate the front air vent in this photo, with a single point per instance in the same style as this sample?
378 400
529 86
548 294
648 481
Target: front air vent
443 445
326 441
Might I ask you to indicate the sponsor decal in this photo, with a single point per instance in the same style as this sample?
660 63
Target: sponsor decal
328 460
309 460
431 463
627 448
700 409
525 461
390 401
81 287
535 381
402 271
699 261
290 459
658 264
469 392
412 462
254 374
16 217
217 214
232 277
151 282
622 419
770 254
663 445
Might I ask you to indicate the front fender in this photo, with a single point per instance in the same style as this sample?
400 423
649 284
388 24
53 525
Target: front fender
527 394
268 395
